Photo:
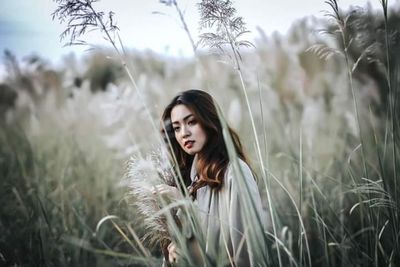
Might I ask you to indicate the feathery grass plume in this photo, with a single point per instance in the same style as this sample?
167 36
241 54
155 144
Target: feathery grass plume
323 51
81 17
226 28
142 175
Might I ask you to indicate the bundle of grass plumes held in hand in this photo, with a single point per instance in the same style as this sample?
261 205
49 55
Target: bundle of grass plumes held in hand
142 175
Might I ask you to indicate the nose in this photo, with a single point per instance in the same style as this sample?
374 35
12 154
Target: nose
185 131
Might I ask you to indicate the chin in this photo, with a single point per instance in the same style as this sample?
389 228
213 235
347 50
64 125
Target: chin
191 152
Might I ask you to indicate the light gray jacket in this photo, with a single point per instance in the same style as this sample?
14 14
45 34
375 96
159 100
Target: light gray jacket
225 215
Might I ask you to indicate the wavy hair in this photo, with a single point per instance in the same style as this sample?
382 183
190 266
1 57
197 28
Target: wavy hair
213 160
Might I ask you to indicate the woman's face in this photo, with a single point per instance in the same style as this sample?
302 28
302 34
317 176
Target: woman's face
188 131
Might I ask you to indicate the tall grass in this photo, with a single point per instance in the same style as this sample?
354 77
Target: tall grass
47 210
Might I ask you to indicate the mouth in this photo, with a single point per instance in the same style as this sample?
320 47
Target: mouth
188 144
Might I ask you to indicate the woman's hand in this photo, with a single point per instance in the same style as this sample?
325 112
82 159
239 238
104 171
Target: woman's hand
169 191
172 253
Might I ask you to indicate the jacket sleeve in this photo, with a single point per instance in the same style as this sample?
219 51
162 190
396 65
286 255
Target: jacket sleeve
240 193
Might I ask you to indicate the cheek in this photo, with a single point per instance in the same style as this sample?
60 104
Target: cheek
203 135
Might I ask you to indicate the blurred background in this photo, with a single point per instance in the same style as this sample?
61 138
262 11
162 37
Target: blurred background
144 25
71 117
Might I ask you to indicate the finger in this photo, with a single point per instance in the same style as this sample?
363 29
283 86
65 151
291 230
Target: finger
165 191
157 189
173 251
173 258
153 189
160 187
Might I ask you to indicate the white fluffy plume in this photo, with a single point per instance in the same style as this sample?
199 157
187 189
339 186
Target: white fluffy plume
142 175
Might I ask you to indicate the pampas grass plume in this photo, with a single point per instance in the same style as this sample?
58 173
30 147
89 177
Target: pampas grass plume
142 175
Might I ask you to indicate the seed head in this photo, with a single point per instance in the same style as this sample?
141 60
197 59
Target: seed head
81 17
226 29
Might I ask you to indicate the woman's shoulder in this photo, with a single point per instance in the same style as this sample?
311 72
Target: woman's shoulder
243 170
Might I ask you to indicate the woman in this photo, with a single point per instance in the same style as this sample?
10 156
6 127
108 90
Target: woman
194 131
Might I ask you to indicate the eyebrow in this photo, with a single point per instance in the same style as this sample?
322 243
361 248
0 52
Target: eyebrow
184 119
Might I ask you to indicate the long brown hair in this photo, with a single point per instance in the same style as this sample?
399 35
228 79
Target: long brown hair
213 160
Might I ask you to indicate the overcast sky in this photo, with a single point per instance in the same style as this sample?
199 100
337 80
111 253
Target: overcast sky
26 26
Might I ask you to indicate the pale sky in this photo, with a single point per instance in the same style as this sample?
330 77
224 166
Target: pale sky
26 26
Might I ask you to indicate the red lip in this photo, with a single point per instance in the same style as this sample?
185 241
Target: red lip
188 144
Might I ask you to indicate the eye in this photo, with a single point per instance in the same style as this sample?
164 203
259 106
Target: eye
192 122
176 129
